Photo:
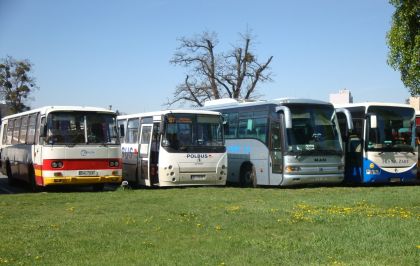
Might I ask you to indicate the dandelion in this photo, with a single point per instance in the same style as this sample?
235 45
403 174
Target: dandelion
233 208
218 227
418 246
71 209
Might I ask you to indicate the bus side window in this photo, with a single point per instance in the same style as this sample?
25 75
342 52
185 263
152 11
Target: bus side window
133 130
30 138
231 127
4 132
16 130
10 131
40 123
23 129
121 128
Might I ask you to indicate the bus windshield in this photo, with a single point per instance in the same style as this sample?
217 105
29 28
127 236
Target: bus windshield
394 131
314 130
193 133
81 128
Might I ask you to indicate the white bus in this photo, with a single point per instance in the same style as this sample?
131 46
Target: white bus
173 148
382 146
61 145
281 142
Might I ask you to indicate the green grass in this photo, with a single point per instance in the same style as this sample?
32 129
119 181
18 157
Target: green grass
213 226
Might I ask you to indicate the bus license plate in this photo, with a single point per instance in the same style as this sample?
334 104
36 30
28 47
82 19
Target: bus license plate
88 173
395 180
198 177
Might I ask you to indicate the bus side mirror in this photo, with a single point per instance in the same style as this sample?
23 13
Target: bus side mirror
43 131
122 133
162 125
373 121
287 115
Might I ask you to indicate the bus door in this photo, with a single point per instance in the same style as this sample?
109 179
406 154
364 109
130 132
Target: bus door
276 154
144 152
130 150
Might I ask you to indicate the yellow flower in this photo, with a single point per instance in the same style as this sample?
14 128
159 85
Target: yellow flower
218 227
418 246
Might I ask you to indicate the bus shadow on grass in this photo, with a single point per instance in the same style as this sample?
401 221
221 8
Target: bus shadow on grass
20 187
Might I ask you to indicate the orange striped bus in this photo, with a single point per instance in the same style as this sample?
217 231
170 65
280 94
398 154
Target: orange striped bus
61 145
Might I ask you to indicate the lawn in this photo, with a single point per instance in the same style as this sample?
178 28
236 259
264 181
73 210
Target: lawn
213 226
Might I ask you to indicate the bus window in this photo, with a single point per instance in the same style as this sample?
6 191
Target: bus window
41 121
16 130
23 129
10 131
133 130
275 149
231 128
121 127
4 139
253 128
30 138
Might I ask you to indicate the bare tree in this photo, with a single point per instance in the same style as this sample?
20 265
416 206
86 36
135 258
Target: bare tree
234 74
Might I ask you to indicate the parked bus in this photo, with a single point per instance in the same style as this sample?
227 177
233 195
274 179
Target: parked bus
173 148
61 145
281 142
382 146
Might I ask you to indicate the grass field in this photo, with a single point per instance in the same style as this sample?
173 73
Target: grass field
213 226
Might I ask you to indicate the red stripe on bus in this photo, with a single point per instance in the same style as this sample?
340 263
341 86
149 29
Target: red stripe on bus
78 164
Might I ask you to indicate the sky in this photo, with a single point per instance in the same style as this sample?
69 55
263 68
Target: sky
101 53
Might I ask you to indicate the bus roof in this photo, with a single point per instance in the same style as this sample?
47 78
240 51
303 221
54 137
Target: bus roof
47 109
226 103
367 104
164 112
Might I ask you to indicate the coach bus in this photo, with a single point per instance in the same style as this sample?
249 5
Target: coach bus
173 148
281 142
382 146
61 145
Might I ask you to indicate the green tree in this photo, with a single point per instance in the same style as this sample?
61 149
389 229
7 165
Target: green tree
16 83
211 75
404 43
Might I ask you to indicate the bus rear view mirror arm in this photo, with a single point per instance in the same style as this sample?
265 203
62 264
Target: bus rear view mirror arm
287 115
348 117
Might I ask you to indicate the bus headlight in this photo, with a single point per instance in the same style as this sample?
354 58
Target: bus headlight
114 163
57 164
291 169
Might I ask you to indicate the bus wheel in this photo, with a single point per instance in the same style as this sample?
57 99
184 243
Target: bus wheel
32 182
10 178
248 177
98 187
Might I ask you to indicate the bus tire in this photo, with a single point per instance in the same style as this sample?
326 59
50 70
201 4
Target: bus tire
32 181
10 179
248 177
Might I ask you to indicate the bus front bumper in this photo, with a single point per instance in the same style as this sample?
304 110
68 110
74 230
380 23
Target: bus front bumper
294 179
81 180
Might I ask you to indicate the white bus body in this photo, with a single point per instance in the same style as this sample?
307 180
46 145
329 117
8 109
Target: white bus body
61 145
281 142
173 148
382 146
